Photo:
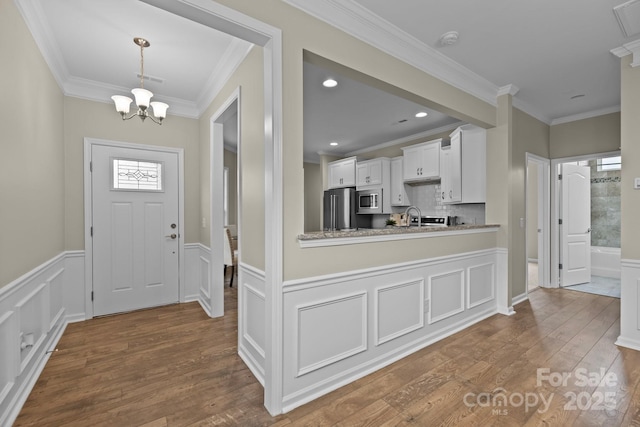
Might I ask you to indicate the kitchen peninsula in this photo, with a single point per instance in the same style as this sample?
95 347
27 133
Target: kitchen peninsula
385 294
331 238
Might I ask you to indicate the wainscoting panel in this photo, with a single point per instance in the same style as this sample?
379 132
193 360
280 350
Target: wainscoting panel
629 304
445 295
481 286
252 321
33 315
339 327
56 297
34 319
192 254
9 353
318 344
390 322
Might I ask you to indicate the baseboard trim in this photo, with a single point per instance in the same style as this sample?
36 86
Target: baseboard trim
628 343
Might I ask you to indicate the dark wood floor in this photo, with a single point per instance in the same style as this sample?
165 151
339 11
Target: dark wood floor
173 366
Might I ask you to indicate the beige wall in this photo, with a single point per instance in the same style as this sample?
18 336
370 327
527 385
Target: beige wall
588 136
630 125
98 120
313 193
31 152
249 78
300 32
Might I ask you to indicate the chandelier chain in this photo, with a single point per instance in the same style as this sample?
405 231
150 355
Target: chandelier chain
142 65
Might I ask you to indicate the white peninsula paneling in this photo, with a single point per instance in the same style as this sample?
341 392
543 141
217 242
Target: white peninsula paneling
446 295
330 330
399 309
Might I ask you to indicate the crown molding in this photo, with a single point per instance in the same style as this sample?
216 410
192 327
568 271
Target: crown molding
587 115
631 48
425 134
229 62
91 90
34 17
510 89
359 22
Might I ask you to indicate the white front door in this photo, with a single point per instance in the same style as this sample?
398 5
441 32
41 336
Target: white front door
576 224
135 223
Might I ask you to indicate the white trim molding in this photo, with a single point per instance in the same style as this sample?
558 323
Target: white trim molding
251 319
356 20
629 304
631 48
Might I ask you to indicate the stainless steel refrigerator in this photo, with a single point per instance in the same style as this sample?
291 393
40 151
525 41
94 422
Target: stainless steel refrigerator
340 211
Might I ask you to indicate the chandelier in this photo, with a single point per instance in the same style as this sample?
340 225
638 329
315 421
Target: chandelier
142 95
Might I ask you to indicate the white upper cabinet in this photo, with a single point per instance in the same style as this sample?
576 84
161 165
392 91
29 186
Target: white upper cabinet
342 173
422 161
370 172
464 166
399 195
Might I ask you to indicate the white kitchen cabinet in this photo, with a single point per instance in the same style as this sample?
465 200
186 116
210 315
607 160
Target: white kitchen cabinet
342 173
399 195
421 162
370 172
464 166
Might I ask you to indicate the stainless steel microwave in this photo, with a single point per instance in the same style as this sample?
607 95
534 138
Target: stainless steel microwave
370 201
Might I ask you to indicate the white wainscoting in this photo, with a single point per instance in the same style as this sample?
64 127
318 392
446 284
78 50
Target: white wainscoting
36 308
197 275
629 305
341 327
252 320
34 311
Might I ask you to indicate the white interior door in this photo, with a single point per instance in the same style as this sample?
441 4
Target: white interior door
576 224
135 226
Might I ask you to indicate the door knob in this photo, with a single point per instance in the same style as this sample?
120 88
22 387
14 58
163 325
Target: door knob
589 230
173 236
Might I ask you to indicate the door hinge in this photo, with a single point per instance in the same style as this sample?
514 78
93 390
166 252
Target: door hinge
91 231
560 266
560 221
560 176
90 166
91 295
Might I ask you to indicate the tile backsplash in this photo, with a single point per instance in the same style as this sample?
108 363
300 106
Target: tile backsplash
426 197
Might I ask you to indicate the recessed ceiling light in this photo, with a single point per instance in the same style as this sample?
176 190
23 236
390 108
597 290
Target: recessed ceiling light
330 83
421 114
333 143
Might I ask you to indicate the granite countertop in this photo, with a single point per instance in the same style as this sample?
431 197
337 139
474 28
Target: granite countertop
318 235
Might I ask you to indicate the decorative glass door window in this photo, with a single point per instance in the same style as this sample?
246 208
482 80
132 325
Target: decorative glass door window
136 175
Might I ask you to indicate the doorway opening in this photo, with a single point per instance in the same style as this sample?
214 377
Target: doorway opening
225 179
587 244
537 219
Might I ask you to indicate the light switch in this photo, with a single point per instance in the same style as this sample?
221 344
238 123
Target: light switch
636 183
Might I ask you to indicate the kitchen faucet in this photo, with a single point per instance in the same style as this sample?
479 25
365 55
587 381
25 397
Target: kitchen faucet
406 214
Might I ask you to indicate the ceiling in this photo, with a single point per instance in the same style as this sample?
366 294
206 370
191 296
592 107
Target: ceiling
555 56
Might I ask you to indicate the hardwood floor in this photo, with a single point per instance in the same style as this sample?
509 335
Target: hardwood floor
173 366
